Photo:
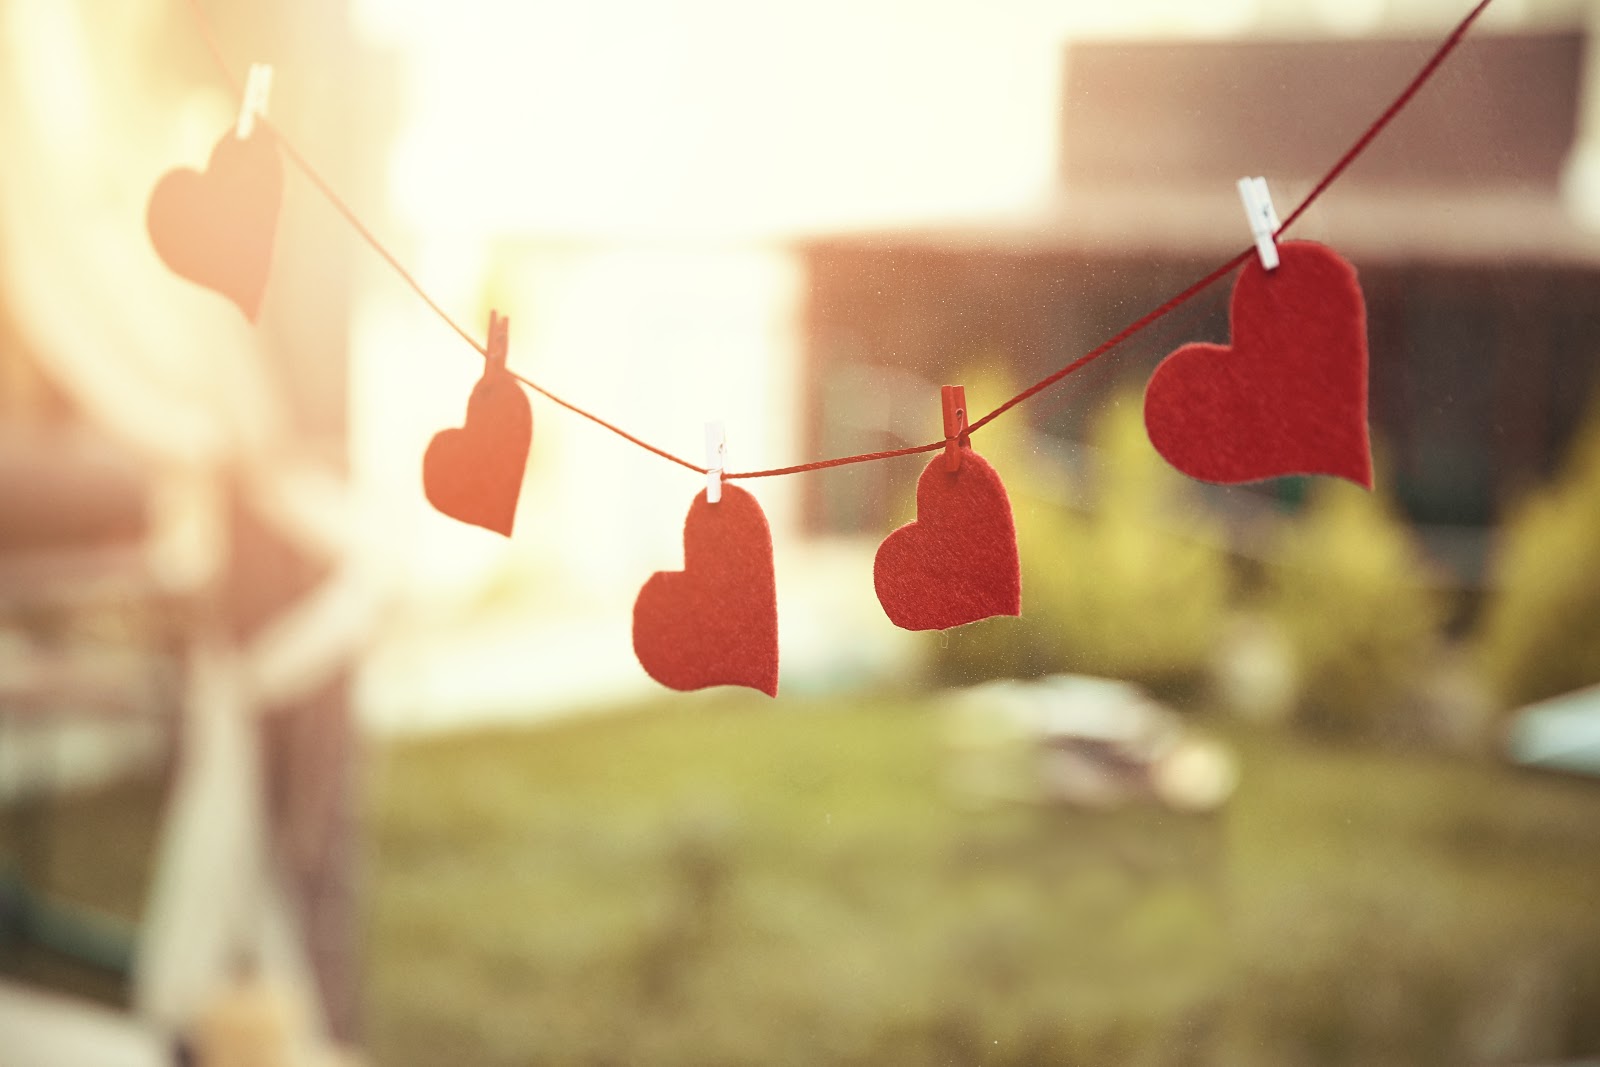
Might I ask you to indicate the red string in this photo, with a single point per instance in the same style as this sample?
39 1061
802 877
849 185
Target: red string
208 34
1171 304
1390 112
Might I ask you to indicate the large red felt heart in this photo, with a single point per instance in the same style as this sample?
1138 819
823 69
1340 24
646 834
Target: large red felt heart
716 621
1289 396
475 473
216 227
958 562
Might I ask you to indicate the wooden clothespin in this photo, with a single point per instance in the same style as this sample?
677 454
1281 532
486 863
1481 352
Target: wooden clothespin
257 88
954 399
499 343
1263 219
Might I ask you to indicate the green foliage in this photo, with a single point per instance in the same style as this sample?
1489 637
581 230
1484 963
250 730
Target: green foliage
1350 590
1130 583
1145 583
1541 629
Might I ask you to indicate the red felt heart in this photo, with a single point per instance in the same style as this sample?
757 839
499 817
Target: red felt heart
716 621
1289 396
216 227
475 473
958 562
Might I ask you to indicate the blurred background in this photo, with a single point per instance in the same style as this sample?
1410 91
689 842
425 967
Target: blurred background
292 766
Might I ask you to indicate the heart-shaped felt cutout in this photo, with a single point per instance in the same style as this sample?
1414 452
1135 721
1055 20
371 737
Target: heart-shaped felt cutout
216 227
1289 395
716 621
475 473
958 562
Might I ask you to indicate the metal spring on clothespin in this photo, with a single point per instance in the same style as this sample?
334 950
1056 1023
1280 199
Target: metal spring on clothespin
257 88
1263 219
954 400
716 460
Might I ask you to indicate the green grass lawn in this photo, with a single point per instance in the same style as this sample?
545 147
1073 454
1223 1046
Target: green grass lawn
716 880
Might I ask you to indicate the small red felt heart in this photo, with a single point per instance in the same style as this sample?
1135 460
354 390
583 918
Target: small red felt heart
958 562
475 473
1289 396
716 621
216 227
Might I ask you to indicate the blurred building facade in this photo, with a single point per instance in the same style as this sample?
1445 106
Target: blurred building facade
1479 276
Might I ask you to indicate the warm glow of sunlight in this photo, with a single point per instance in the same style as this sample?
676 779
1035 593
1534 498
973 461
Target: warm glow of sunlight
623 178
630 117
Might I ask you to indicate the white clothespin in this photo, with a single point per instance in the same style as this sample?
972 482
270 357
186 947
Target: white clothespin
257 88
716 460
1263 219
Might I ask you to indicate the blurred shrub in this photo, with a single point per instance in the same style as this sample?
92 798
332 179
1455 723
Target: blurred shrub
1125 578
1349 590
1540 633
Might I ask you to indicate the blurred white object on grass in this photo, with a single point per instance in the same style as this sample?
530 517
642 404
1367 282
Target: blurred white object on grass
1559 734
1088 742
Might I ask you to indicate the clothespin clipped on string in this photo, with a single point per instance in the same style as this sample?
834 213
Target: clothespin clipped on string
954 399
257 88
716 460
499 341
1263 219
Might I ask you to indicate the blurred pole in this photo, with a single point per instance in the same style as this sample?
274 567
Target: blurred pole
1581 180
309 754
309 741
